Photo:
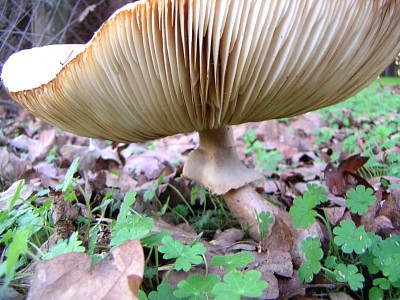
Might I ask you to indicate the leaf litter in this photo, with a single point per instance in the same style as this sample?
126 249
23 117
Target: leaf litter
40 155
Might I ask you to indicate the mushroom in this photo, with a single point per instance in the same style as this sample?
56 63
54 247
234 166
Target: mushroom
161 67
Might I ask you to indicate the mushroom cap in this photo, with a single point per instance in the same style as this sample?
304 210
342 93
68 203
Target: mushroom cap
161 67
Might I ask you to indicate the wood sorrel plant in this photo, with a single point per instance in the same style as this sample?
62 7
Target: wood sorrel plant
362 260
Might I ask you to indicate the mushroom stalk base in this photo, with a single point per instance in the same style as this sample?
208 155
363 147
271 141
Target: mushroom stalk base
216 164
245 204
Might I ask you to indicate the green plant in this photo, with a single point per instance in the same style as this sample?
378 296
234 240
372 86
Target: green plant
265 160
324 135
311 247
65 246
52 155
264 220
352 251
359 199
235 284
233 261
184 255
303 211
23 229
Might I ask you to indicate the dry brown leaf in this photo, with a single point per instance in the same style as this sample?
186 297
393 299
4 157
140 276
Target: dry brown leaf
89 155
381 225
272 291
68 276
227 237
12 168
150 163
335 214
53 277
120 179
8 195
340 296
63 214
40 147
344 177
21 142
291 287
275 261
391 209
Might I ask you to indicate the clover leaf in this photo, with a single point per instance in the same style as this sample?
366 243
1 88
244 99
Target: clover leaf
233 261
375 293
349 274
359 199
383 283
265 220
185 255
392 267
135 227
351 238
302 212
236 285
311 247
196 286
318 192
387 257
154 239
164 292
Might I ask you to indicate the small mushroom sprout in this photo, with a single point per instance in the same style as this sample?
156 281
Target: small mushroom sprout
161 67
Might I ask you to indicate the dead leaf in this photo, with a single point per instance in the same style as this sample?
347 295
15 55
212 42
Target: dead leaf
391 209
276 261
8 195
340 296
68 276
281 235
62 213
21 142
53 277
335 214
291 287
120 179
227 237
343 178
39 148
381 224
12 168
272 291
150 163
89 155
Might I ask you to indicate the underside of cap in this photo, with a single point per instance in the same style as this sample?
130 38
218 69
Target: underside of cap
161 67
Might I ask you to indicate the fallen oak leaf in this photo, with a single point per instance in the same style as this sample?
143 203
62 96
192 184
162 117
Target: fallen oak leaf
353 163
344 177
89 155
39 148
19 189
68 276
13 168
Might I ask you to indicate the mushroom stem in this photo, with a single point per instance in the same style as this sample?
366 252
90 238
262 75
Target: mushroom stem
216 164
245 204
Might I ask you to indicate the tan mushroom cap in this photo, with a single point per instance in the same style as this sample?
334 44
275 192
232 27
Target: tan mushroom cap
161 67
